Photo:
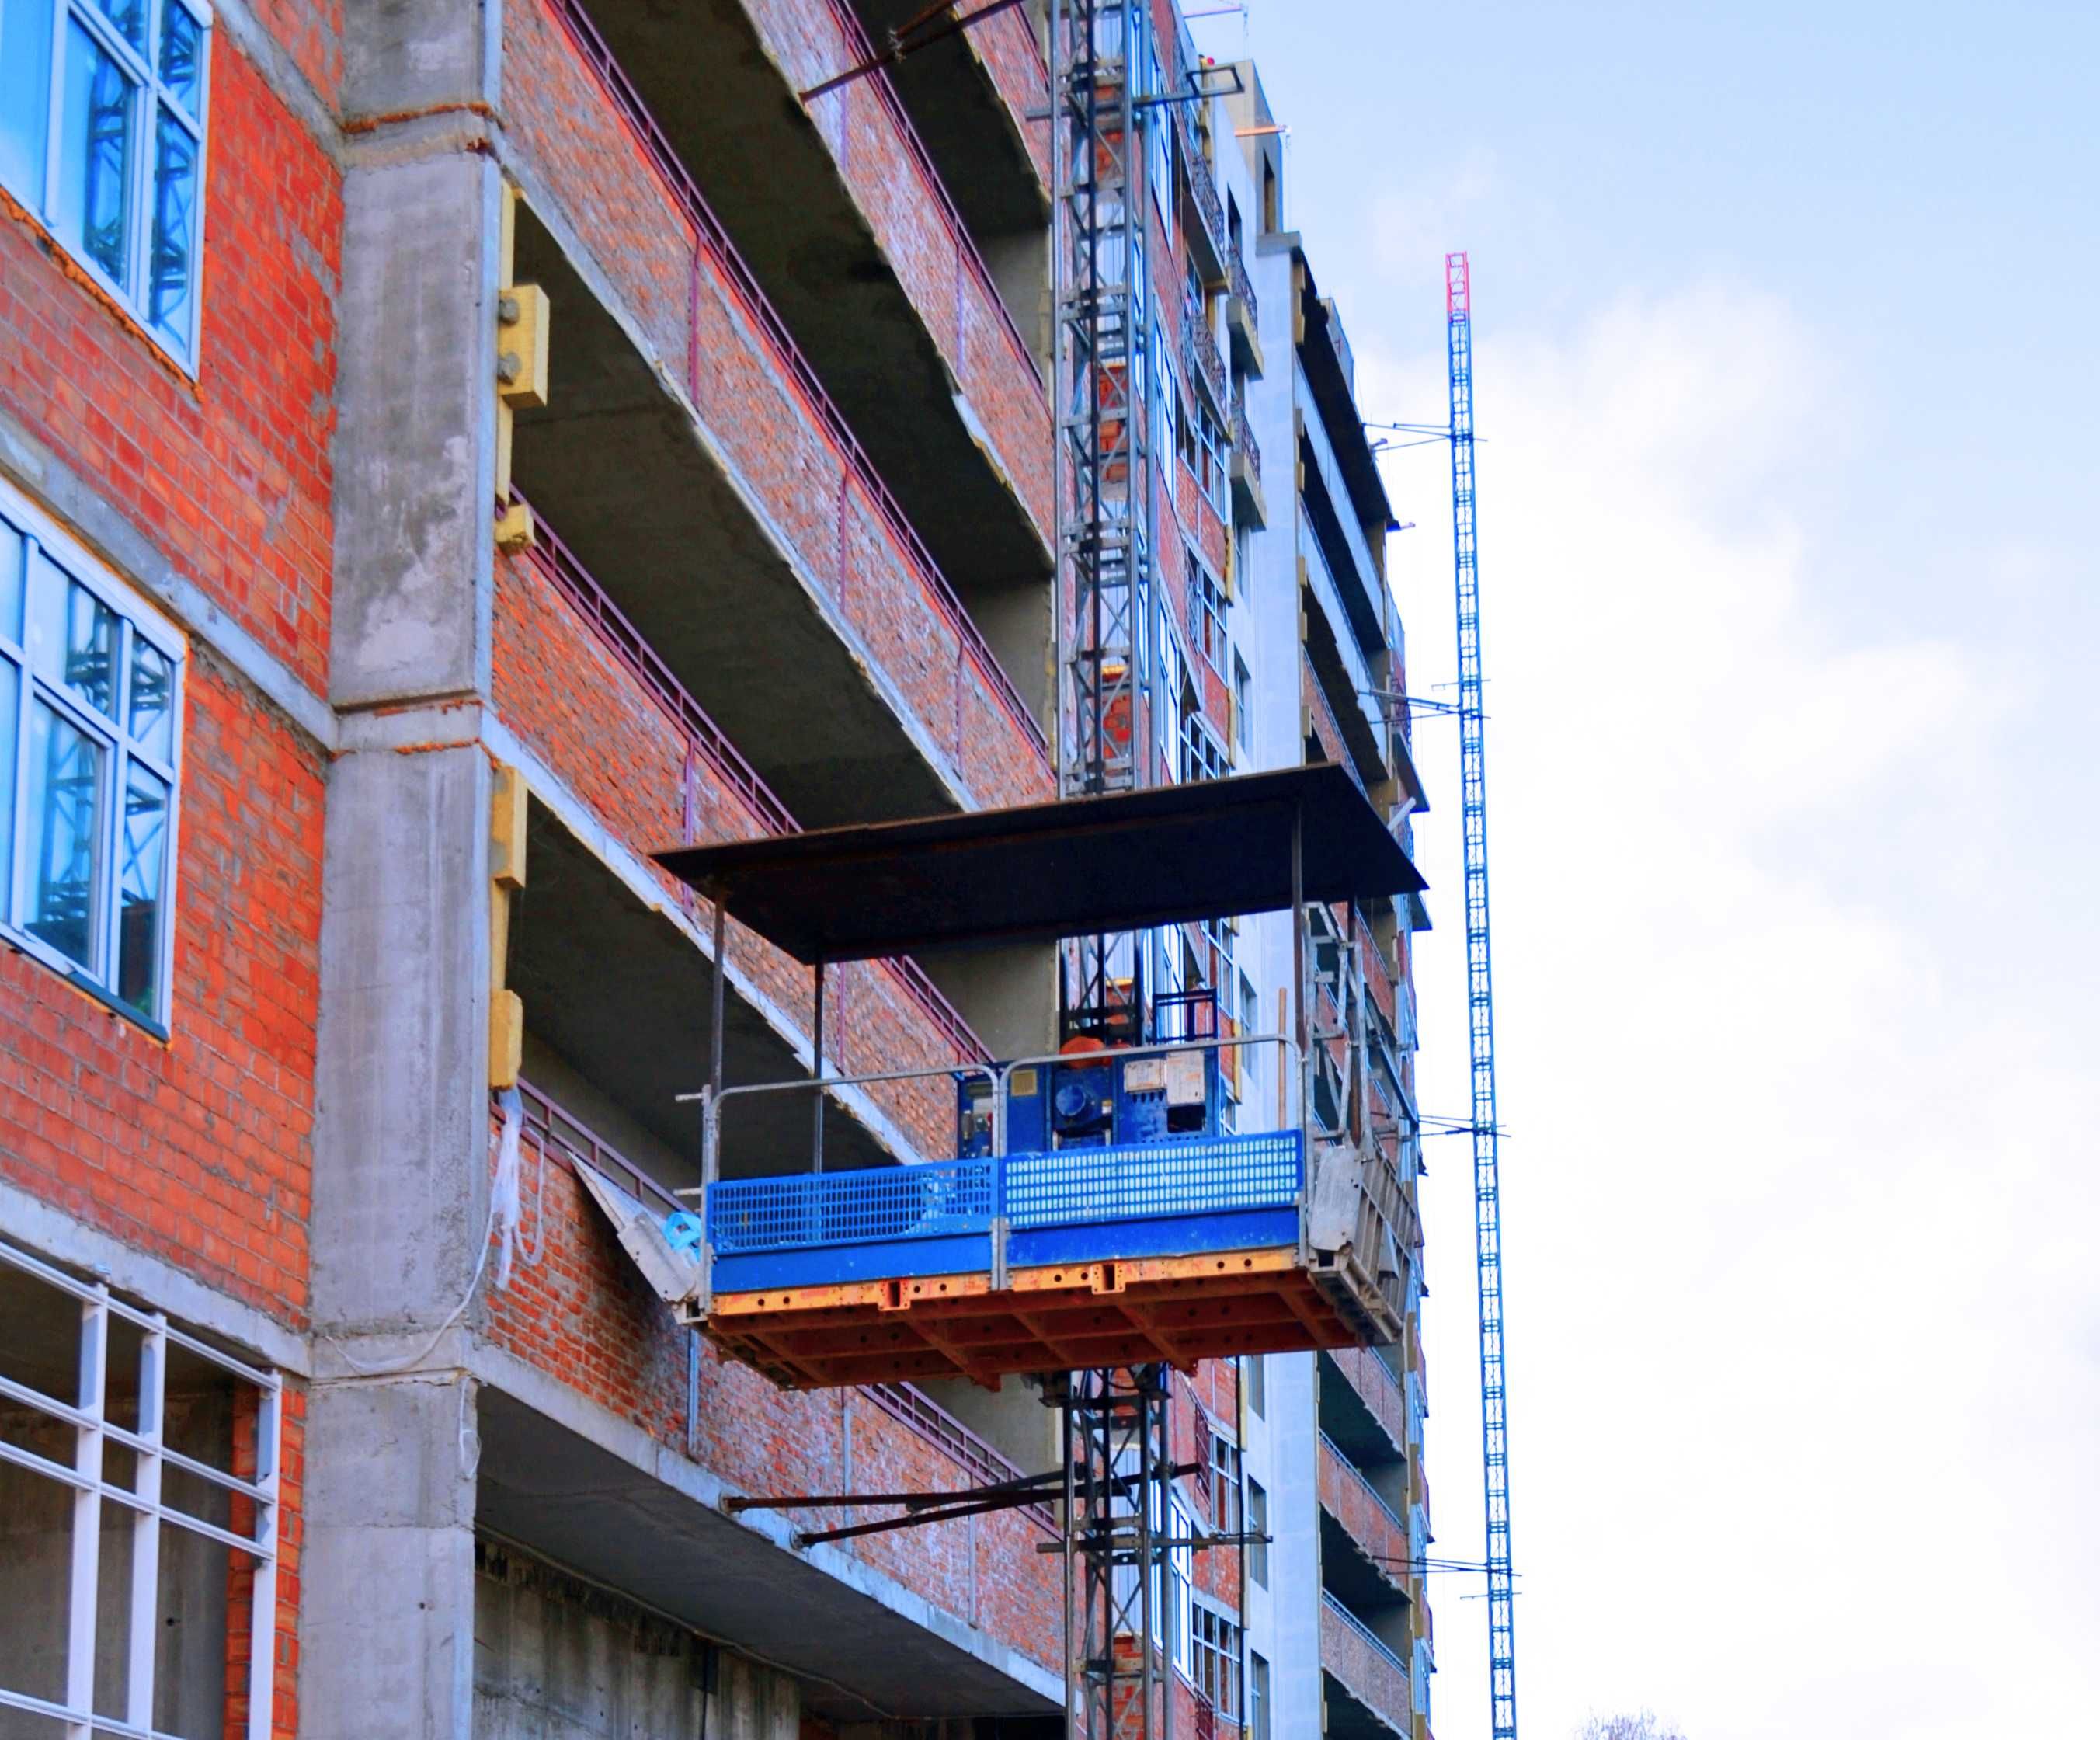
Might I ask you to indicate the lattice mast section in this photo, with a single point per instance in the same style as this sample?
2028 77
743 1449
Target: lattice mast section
1480 1006
1104 337
1118 1685
1115 1421
1104 482
1106 478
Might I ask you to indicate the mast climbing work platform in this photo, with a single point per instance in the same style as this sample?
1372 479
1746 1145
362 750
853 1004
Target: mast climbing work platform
1047 1244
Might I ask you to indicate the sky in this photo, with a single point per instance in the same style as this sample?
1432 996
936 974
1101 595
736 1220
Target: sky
1786 370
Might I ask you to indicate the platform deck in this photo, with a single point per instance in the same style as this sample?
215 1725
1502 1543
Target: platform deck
1048 1317
987 1266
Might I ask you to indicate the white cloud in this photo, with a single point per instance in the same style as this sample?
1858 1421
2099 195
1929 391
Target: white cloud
1805 1329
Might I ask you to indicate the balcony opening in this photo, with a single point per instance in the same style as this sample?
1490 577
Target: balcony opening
778 175
744 609
617 1006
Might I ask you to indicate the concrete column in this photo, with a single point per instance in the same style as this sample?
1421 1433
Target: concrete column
386 1643
401 1144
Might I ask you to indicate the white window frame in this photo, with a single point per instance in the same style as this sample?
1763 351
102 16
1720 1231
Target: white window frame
137 622
1172 1575
1207 603
1219 1656
1203 755
89 1417
1228 1475
147 102
1242 707
1257 1499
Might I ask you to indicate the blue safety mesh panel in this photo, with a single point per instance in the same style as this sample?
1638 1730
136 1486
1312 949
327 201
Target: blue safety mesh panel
866 1206
1202 1175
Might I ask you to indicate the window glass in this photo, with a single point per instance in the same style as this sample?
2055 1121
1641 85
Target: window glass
13 554
88 802
65 820
182 55
174 229
95 174
125 191
73 637
26 89
11 698
141 877
152 718
130 18
1257 1522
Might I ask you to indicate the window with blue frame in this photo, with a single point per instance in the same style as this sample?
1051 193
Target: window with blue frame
102 132
90 703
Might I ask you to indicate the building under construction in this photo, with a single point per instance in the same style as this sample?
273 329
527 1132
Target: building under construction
705 850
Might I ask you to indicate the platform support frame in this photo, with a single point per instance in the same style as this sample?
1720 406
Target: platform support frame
1119 1469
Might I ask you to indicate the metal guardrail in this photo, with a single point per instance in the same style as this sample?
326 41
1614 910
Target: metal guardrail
862 48
1202 189
1243 440
1376 595
999 1075
590 600
943 1199
1199 352
574 581
1376 1497
547 1121
1364 1631
1241 284
584 35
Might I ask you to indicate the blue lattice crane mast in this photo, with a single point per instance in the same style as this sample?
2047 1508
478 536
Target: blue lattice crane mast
1481 1008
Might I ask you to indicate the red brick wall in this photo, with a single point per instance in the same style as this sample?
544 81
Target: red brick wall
197 1149
240 1578
1346 1497
581 1313
903 200
229 475
605 735
1380 1391
1006 45
310 32
708 334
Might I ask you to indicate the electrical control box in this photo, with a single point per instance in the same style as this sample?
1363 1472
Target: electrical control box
1093 1099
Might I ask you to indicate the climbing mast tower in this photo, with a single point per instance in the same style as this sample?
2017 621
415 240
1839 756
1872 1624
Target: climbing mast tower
1481 1008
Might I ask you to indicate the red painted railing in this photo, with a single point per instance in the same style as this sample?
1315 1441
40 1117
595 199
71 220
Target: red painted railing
787 356
628 644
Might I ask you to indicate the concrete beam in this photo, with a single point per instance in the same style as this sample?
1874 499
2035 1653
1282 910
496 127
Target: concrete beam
408 55
572 1481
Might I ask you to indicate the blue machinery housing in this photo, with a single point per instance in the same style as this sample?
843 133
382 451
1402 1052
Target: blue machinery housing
1159 1199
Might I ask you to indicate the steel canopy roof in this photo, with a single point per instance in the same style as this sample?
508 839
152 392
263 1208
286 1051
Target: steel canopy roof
1164 855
